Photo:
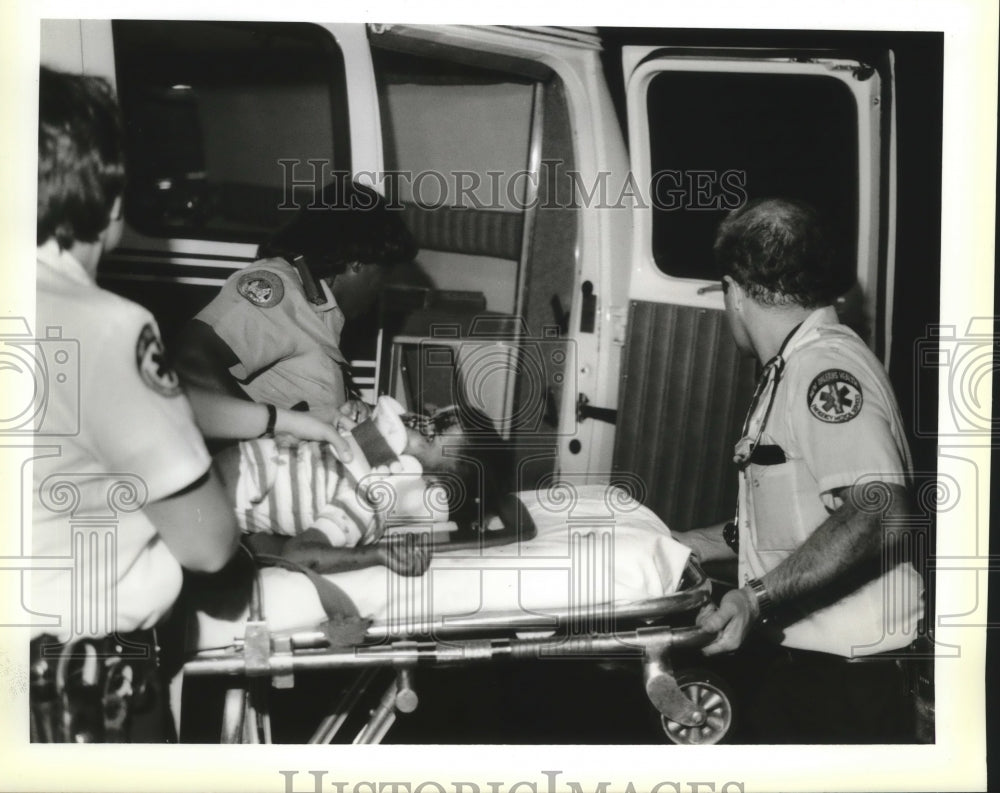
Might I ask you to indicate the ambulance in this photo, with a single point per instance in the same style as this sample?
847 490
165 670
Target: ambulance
563 185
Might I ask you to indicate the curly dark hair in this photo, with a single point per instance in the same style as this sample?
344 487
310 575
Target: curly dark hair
481 465
780 251
81 159
349 223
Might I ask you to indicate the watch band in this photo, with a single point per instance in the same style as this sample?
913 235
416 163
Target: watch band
272 419
760 594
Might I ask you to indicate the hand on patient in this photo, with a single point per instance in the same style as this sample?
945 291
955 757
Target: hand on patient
332 508
293 426
355 410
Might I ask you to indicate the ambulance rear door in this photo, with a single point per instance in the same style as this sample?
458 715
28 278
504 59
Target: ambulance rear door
708 131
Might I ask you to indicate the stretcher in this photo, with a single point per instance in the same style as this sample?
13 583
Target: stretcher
591 574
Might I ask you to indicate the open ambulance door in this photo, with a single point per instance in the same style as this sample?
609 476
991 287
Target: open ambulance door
709 130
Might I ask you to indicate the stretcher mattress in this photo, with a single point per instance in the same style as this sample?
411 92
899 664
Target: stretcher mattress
595 548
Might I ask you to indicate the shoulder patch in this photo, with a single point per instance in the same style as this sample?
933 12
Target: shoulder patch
152 365
835 396
262 288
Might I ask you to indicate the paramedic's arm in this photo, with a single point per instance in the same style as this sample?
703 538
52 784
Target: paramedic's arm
224 417
203 359
851 536
707 544
197 525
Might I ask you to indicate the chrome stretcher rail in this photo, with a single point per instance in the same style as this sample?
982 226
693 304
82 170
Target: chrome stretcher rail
652 645
643 631
411 653
261 653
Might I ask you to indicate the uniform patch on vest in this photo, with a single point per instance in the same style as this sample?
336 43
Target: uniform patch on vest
262 288
835 396
152 364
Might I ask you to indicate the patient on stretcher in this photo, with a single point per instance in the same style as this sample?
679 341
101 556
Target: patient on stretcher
303 504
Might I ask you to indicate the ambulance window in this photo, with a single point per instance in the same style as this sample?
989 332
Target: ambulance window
720 139
456 141
220 117
480 151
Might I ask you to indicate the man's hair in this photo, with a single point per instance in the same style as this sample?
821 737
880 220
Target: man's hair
781 251
350 223
81 160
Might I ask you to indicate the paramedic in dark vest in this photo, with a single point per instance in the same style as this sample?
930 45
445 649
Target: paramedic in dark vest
272 334
823 490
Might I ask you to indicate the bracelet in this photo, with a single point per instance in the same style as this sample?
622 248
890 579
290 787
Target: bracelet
272 419
761 596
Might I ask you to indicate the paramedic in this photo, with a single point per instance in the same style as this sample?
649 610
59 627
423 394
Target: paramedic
824 470
120 459
272 334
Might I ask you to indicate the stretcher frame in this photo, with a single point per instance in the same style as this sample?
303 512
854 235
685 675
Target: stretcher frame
645 631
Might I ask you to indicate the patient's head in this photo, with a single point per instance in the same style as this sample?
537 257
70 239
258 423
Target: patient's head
460 448
429 435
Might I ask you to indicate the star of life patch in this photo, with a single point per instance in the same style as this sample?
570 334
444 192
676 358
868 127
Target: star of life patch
262 288
151 362
835 396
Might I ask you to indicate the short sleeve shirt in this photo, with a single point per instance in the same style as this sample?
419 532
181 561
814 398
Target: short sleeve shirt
836 423
116 433
288 348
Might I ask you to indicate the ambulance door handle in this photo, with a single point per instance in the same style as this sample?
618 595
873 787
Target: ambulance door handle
584 410
588 308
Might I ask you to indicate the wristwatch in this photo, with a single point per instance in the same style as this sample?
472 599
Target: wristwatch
731 534
761 596
272 419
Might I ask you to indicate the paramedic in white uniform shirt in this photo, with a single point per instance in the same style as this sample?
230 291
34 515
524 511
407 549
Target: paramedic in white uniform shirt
123 492
824 470
272 334
134 421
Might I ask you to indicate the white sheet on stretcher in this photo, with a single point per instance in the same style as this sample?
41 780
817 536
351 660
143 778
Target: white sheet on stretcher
595 547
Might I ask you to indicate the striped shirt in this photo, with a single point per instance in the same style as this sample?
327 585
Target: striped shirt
291 489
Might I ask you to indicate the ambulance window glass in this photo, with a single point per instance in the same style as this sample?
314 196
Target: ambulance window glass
215 116
720 139
457 139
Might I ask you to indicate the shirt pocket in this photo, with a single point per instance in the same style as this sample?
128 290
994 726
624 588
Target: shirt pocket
785 503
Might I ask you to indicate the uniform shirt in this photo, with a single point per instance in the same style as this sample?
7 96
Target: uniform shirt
836 420
288 348
115 433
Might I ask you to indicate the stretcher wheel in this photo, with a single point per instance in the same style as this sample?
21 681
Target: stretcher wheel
710 694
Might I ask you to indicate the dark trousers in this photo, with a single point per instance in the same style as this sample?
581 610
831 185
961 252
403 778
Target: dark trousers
796 696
